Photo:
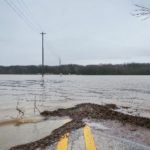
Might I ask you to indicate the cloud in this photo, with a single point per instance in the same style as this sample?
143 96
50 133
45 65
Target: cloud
77 31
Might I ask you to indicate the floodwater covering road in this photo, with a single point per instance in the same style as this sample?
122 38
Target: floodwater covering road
130 93
121 130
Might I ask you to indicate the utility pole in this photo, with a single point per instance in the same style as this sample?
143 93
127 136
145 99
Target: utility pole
59 61
60 66
43 53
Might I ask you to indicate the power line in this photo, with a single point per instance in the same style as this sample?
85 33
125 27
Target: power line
21 7
23 14
29 14
20 14
32 15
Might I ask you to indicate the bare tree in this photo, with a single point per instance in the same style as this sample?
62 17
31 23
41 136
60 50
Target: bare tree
142 11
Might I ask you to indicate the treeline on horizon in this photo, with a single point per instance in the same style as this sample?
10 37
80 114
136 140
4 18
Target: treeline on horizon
104 69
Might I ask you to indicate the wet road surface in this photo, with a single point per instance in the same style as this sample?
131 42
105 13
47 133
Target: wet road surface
99 136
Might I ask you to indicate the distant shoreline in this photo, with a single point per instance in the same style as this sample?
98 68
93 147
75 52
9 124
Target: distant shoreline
73 69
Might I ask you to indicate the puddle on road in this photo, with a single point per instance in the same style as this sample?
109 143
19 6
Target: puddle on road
30 131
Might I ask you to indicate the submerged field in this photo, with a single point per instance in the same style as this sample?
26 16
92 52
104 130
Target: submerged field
27 95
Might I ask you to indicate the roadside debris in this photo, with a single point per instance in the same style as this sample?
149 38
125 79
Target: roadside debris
77 114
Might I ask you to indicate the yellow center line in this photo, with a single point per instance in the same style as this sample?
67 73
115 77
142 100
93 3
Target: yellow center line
89 141
63 142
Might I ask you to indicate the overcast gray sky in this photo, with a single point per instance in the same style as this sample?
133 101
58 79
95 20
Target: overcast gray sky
78 31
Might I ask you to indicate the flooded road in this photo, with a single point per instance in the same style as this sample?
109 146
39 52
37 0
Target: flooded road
12 135
55 91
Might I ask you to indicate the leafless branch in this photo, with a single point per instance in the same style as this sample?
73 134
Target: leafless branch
21 113
142 11
35 106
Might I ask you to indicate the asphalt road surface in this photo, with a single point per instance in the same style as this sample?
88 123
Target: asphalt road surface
104 136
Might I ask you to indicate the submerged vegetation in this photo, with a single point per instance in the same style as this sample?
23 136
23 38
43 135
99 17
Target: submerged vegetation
102 69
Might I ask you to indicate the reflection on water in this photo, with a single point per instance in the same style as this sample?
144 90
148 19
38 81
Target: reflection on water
54 91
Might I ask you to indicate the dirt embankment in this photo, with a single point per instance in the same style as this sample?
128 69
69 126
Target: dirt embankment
78 113
94 111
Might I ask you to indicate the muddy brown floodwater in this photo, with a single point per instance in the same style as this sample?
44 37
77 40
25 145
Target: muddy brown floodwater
78 113
130 94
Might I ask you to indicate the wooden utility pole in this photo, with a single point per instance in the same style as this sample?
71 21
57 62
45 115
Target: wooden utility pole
59 61
43 53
